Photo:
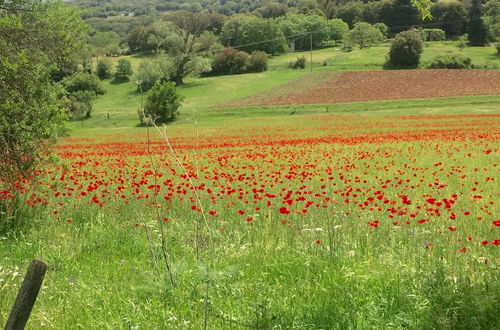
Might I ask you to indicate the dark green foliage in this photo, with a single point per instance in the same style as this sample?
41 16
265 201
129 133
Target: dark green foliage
139 38
450 61
351 13
406 49
162 104
253 33
434 34
123 70
497 46
300 63
478 34
399 14
103 69
35 39
82 81
273 10
451 17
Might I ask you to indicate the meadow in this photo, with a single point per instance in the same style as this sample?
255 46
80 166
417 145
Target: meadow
373 215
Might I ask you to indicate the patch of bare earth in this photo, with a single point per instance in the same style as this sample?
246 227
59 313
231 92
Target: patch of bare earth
306 81
361 86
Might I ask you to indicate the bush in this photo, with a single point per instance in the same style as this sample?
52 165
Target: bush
123 70
232 61
82 81
300 63
162 104
434 34
497 46
406 49
103 70
257 62
450 61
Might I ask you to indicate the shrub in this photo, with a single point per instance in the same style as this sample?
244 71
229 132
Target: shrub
162 104
450 61
462 42
497 46
257 62
406 49
123 70
103 70
434 34
230 61
82 81
300 63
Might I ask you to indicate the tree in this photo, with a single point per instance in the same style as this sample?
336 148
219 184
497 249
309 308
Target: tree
363 34
162 104
351 13
399 15
406 49
35 39
105 43
82 81
478 34
250 33
301 26
139 38
103 69
123 70
189 45
338 29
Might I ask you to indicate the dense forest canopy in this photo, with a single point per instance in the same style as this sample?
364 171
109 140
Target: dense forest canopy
453 17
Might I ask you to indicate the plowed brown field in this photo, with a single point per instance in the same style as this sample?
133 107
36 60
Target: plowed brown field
359 86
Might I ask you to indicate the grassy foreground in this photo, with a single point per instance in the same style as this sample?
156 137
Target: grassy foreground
289 241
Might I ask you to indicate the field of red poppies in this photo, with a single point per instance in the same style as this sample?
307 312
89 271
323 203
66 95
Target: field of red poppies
409 200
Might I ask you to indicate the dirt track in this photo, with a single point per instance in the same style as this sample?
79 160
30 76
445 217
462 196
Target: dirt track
358 86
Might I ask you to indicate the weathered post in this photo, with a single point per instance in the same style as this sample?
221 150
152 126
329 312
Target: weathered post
26 296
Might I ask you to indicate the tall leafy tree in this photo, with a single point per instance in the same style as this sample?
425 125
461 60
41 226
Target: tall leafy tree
189 45
250 33
36 38
478 34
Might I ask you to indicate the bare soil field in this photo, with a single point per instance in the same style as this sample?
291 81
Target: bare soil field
359 86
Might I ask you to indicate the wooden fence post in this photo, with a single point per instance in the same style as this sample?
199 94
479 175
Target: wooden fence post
26 296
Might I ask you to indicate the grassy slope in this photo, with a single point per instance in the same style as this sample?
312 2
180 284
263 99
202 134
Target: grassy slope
122 100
